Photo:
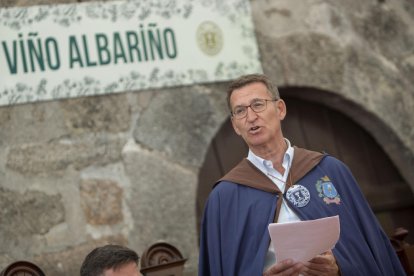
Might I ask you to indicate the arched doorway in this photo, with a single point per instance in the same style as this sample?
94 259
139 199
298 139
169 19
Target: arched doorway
317 127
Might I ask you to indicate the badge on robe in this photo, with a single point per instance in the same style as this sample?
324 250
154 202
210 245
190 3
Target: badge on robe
298 195
327 191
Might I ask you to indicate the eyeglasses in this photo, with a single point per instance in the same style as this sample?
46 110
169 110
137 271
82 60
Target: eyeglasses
257 105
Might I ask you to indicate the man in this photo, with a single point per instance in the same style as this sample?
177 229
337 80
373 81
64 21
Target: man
110 260
280 183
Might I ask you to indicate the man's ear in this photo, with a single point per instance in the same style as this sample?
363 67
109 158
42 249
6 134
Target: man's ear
234 126
281 107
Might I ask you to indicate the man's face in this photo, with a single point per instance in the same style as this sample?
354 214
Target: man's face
129 269
258 129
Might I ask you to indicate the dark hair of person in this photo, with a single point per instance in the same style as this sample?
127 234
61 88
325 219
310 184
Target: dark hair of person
107 257
249 79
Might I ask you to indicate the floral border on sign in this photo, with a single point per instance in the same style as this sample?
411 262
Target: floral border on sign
87 86
67 14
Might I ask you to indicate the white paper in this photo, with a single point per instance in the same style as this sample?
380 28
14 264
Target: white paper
303 240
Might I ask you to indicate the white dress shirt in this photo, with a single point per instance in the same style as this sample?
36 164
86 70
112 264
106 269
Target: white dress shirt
286 214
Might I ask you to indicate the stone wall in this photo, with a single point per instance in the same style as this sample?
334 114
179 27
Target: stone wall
123 168
360 52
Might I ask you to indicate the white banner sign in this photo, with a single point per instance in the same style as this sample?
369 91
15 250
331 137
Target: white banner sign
71 50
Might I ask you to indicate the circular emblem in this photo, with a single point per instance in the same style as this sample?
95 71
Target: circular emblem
209 38
298 195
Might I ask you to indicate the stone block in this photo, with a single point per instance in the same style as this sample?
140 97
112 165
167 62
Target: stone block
163 195
26 215
55 157
110 113
309 59
179 123
101 201
39 122
384 31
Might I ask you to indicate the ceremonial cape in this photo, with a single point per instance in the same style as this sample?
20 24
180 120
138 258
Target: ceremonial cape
234 236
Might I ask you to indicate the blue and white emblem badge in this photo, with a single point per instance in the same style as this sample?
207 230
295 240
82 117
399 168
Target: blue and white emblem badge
327 191
298 195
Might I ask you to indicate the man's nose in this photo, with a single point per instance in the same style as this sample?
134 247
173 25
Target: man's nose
251 115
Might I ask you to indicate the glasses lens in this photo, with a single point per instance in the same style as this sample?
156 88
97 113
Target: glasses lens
258 105
239 111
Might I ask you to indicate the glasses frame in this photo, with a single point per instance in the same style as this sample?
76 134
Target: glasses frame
250 105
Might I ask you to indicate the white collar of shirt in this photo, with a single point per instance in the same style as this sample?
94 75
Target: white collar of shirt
266 166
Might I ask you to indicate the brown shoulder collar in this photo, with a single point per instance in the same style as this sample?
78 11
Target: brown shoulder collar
245 173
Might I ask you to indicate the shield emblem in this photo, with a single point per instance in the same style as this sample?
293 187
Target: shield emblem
329 189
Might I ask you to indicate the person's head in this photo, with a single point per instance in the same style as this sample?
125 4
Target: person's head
110 260
256 110
248 79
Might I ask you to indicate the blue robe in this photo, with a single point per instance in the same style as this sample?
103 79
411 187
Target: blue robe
234 235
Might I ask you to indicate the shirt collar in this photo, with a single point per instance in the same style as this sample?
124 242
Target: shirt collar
265 165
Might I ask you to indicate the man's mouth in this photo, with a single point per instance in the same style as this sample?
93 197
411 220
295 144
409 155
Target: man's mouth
254 128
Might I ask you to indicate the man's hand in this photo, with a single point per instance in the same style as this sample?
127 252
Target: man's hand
284 268
322 265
